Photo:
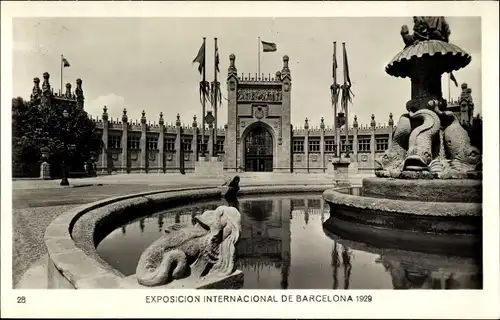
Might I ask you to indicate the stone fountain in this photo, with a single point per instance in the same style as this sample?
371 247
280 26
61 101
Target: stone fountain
430 178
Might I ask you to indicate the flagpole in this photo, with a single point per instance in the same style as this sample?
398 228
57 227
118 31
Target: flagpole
203 102
258 69
215 99
345 106
61 74
335 102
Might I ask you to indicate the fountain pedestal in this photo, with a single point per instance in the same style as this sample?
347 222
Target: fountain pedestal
341 171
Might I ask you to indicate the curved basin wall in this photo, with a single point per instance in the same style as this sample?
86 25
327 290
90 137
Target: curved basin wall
71 239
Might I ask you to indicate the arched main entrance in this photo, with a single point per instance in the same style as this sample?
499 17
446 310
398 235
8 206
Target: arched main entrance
259 150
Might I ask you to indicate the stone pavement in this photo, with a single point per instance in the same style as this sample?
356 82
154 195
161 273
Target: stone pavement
155 179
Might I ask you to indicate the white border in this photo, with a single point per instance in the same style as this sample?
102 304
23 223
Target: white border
387 304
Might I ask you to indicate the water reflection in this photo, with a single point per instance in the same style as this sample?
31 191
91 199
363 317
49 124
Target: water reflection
283 246
342 258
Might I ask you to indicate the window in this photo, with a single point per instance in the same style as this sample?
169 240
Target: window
297 203
364 145
202 147
220 146
151 143
298 146
330 146
186 144
342 146
314 146
114 142
382 144
169 144
134 142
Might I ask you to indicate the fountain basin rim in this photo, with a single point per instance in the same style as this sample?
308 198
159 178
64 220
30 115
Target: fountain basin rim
72 267
404 207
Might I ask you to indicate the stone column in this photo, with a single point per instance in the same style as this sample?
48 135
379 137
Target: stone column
306 144
161 145
322 144
391 130
104 137
372 140
178 145
144 150
284 162
225 146
210 141
231 145
194 143
355 144
45 166
124 165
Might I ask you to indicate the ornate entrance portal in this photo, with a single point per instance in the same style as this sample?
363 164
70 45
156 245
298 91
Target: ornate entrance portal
259 150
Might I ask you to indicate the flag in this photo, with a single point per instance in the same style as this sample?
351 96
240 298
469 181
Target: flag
452 78
346 68
217 58
268 46
335 65
200 58
65 62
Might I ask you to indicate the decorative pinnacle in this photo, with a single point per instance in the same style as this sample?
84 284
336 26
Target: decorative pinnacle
322 125
391 121
195 123
36 80
68 89
355 122
143 118
161 122
372 123
124 116
178 121
105 113
306 124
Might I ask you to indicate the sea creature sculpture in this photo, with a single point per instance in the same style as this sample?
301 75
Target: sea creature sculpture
462 155
422 141
393 157
206 249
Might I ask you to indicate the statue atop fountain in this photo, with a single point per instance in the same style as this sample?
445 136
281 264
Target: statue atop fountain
429 142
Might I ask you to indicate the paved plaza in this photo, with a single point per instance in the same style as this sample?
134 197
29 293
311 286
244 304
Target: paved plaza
37 202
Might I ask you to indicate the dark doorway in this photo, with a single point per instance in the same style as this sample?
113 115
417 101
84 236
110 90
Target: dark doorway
259 150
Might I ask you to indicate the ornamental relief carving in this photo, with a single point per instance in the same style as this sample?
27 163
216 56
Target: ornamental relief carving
152 156
253 94
260 112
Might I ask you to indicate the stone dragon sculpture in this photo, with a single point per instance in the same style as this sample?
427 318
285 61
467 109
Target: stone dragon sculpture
205 249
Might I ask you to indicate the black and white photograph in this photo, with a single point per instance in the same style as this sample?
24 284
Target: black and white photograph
318 159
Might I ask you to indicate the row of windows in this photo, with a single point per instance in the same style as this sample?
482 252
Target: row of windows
330 145
114 142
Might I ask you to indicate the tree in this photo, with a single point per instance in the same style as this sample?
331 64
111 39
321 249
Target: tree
38 126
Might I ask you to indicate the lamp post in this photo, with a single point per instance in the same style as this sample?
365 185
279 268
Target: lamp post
64 181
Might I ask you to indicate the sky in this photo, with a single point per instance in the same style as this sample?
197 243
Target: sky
146 63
